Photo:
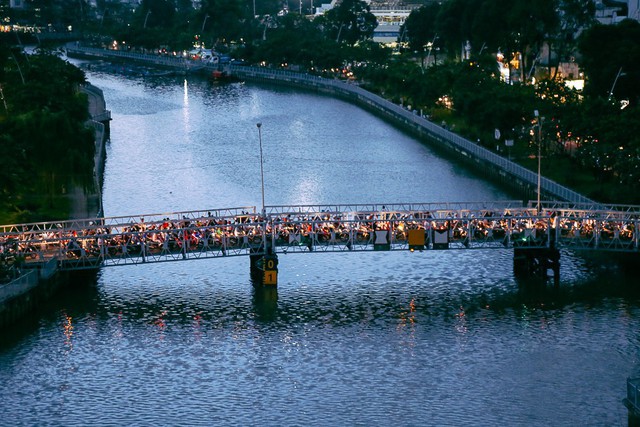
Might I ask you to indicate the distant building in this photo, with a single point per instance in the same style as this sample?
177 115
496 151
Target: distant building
610 12
390 18
390 21
634 9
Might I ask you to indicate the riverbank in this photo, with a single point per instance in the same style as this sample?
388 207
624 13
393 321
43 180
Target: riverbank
492 165
34 285
89 204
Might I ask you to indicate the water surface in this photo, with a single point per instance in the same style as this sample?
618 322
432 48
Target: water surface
423 338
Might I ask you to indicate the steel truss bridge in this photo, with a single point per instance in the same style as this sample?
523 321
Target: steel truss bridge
150 238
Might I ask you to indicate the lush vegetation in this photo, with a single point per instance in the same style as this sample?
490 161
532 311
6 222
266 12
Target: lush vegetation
452 63
590 139
44 145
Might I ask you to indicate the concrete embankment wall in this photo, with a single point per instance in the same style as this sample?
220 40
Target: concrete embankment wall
100 118
27 291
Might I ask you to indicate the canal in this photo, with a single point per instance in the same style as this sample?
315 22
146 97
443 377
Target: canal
423 338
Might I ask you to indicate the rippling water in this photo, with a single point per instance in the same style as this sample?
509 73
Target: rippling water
423 338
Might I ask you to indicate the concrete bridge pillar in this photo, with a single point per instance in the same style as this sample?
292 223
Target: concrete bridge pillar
264 268
537 262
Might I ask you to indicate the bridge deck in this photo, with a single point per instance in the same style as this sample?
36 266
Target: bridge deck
90 243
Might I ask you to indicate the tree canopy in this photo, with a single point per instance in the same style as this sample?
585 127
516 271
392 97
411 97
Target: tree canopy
611 60
44 144
351 21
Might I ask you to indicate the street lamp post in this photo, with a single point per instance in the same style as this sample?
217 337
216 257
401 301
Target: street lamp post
259 125
539 120
4 101
431 45
204 23
620 73
145 19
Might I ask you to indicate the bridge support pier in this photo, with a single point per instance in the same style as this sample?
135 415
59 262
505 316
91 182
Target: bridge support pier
537 262
264 268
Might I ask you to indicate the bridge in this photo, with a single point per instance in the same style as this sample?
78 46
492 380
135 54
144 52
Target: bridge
535 235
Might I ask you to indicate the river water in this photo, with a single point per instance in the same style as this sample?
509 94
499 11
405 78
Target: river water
407 339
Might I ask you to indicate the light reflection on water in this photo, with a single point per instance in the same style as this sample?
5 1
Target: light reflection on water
424 338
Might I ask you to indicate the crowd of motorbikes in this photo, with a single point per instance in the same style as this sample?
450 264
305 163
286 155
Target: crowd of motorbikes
307 231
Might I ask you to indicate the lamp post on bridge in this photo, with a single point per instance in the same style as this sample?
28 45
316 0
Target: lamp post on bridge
259 125
265 266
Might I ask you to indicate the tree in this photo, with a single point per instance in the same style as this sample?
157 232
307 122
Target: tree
574 16
351 21
157 13
611 60
531 22
449 27
45 144
489 32
227 18
420 26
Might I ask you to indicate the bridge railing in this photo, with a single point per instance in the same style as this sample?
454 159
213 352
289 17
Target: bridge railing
153 242
240 231
22 231
402 208
593 206
169 61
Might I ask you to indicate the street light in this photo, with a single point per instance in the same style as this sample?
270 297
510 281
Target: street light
620 73
259 125
145 19
204 23
431 45
539 120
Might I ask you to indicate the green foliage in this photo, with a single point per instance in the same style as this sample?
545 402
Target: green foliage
44 144
421 26
351 21
611 54
294 40
508 26
227 18
468 93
